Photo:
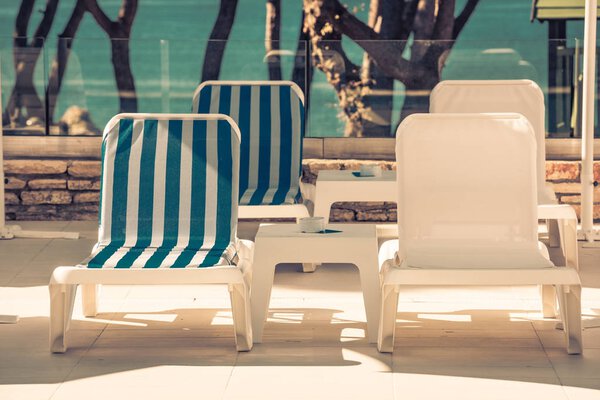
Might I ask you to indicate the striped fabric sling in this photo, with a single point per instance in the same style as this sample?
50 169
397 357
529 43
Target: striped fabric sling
169 194
271 121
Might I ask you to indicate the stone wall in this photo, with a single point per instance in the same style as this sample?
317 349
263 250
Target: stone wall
564 176
51 189
69 189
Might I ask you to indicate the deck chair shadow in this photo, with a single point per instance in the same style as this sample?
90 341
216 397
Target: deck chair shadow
168 215
476 224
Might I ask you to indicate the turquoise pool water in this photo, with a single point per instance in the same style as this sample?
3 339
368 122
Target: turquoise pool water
499 41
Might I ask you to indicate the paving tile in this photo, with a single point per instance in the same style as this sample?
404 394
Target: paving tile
585 383
27 391
454 386
581 393
586 365
311 372
481 362
137 380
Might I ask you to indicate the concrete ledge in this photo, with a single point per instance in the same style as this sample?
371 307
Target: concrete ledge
88 147
80 147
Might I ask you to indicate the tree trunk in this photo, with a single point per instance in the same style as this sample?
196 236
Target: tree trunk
123 75
329 56
59 64
119 32
215 48
24 101
26 55
417 93
303 69
434 21
434 28
272 37
387 18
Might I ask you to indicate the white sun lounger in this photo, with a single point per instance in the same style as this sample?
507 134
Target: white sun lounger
524 97
474 224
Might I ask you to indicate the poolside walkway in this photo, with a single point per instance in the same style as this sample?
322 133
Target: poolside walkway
177 342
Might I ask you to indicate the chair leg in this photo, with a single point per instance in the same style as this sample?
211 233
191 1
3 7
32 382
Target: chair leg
568 234
548 294
89 297
387 318
553 232
62 300
570 312
242 321
309 267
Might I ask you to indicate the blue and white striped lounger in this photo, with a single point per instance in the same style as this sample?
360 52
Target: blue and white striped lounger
168 215
270 115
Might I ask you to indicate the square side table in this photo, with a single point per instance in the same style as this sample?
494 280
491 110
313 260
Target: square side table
275 244
335 185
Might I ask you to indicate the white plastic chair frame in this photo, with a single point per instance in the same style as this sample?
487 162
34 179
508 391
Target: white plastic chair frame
447 234
307 190
65 279
524 97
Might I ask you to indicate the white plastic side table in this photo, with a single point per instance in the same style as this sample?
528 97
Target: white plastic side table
335 185
275 244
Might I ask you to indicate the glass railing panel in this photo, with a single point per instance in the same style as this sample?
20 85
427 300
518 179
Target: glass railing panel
366 88
23 75
164 75
356 88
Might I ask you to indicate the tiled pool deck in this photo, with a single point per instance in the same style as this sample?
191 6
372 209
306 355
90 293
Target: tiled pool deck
177 342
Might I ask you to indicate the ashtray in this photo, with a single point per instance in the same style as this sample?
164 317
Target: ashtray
312 224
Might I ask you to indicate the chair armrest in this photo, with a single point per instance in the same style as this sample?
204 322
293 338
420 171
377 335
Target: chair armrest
388 251
547 195
308 191
566 217
556 211
245 249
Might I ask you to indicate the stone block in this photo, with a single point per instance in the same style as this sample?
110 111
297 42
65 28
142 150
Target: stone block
36 213
371 215
46 197
562 170
83 184
341 215
392 215
570 199
14 183
11 198
34 167
364 205
567 187
79 212
47 184
86 197
85 169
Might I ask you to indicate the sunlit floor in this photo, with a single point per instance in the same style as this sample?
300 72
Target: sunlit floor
177 342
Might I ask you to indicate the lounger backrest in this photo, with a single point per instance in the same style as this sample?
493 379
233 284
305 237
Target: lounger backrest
499 96
466 183
169 188
270 115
